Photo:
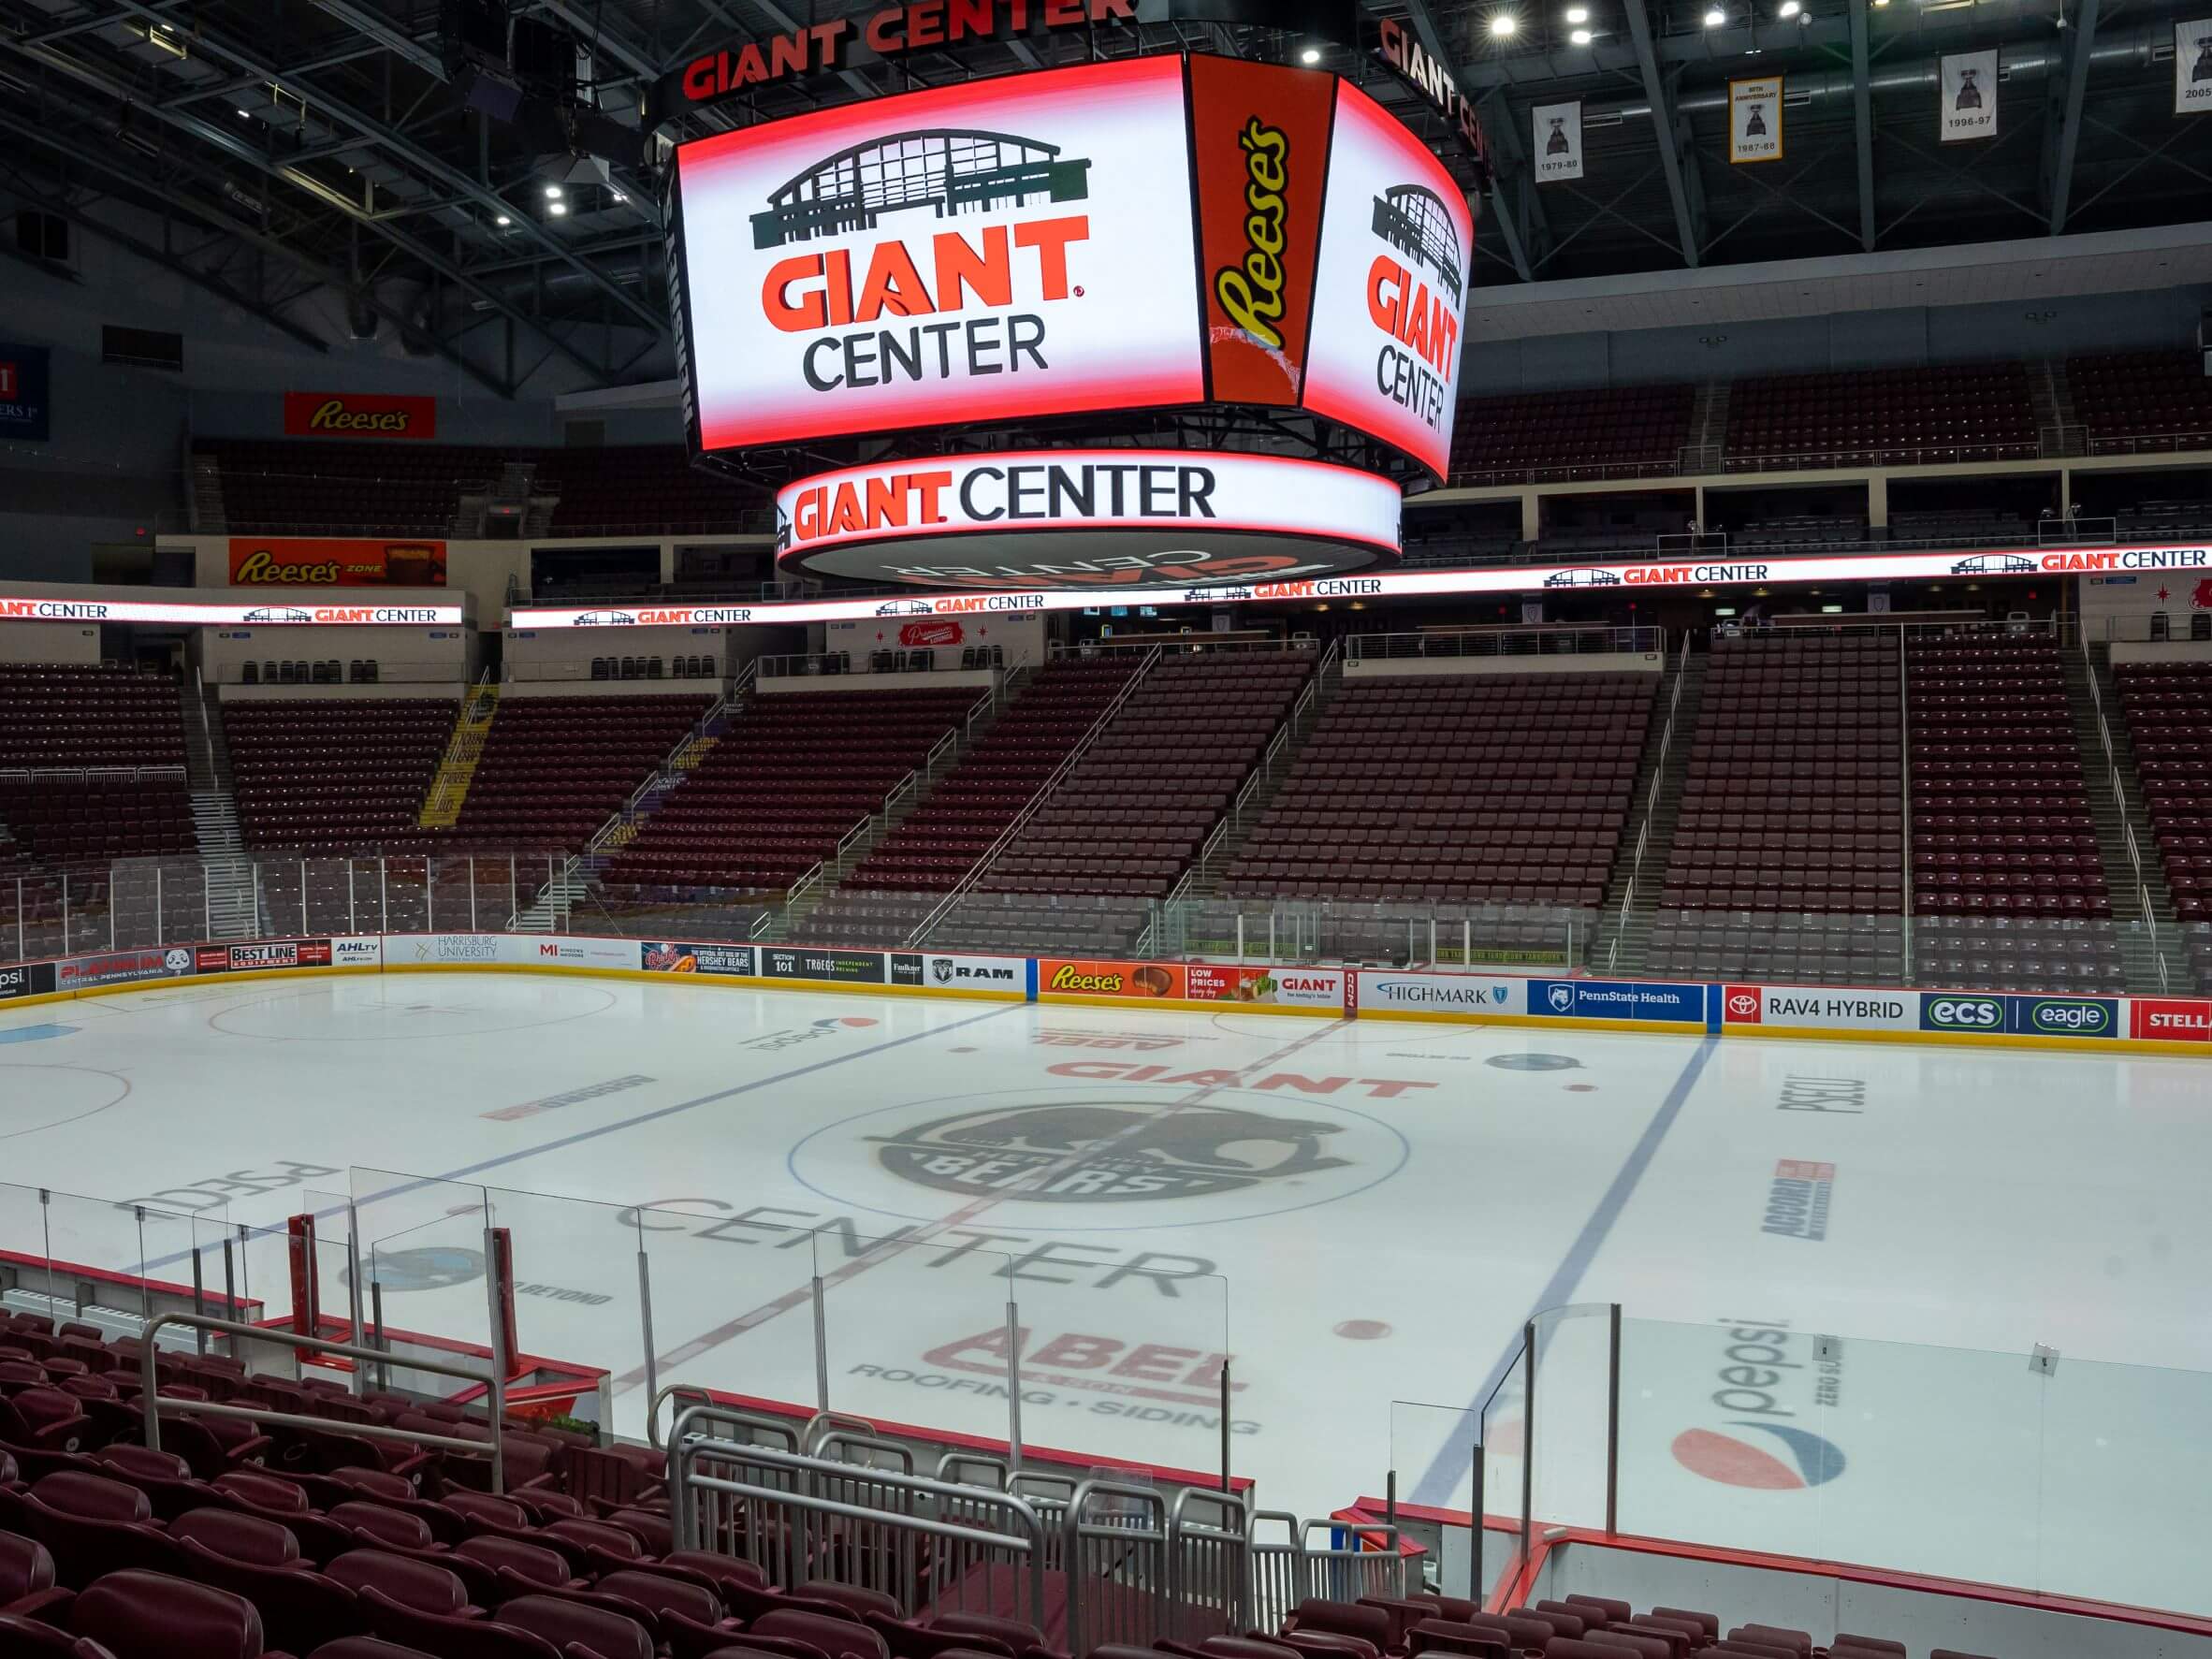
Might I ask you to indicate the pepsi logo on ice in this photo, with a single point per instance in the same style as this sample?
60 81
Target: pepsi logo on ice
1770 1378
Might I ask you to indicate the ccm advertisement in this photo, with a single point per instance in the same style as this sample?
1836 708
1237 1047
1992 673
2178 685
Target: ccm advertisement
1037 246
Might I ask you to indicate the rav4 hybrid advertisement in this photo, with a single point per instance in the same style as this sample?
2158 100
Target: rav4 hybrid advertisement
1144 233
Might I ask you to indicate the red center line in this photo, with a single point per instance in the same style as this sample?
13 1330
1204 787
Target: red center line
709 1341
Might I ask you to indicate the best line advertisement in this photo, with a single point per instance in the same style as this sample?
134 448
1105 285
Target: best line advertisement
981 252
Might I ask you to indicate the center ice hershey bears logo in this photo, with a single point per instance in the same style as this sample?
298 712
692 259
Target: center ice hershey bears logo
1107 1152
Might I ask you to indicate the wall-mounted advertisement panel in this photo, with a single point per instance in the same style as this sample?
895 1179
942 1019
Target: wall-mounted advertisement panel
1222 588
984 250
1086 518
1397 243
248 610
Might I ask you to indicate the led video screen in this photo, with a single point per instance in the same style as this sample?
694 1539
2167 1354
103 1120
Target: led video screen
1150 233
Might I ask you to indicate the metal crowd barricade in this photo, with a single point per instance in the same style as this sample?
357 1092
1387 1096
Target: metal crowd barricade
1278 1571
1117 1567
801 1517
1209 1564
156 1405
1361 1559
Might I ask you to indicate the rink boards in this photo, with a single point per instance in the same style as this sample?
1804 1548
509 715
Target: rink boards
2161 1025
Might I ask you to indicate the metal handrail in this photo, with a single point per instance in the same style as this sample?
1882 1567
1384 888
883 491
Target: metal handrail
1030 808
703 1406
162 774
1278 745
156 1403
2119 800
1496 639
1643 834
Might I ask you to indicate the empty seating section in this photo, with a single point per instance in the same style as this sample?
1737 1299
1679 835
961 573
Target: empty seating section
67 717
1618 432
1792 811
2000 816
640 487
554 769
1117 831
791 775
2168 710
325 775
397 489
959 818
2007 878
1455 789
1953 412
416 489
2142 401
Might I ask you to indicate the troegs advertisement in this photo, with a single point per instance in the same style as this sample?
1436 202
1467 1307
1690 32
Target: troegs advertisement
1397 240
985 251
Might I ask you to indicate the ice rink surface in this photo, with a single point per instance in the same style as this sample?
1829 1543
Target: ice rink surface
1833 1260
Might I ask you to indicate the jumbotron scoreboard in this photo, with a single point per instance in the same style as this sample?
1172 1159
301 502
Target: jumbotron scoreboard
981 277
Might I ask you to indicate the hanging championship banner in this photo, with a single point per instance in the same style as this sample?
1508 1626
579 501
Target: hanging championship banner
1970 96
2193 67
1754 120
1555 144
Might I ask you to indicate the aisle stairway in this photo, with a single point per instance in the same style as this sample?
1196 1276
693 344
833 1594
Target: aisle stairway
2089 683
472 729
1624 935
232 907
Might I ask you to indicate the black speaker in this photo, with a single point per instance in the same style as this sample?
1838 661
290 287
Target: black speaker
473 32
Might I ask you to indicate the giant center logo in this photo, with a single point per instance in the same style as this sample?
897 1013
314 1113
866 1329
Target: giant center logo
1109 1151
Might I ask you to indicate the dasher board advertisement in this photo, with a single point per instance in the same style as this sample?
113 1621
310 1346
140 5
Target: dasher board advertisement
987 251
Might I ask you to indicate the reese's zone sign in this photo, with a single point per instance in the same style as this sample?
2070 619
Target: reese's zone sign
319 561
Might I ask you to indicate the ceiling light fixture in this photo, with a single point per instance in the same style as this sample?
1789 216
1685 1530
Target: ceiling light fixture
556 209
1577 14
552 193
1715 18
1791 8
1502 25
1311 55
503 221
1581 36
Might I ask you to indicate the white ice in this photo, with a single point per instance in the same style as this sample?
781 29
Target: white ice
1421 1190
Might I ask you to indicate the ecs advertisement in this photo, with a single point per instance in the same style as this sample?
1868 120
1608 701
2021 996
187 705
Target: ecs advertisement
980 252
1397 242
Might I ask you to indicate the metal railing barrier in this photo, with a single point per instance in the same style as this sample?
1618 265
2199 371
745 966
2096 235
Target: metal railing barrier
884 1531
156 1405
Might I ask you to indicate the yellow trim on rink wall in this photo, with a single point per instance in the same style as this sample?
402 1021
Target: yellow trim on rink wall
1074 999
731 980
